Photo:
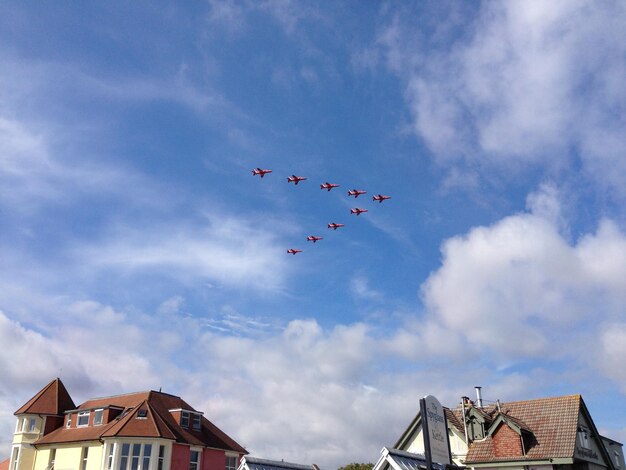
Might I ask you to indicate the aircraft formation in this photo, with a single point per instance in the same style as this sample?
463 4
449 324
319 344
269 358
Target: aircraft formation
327 186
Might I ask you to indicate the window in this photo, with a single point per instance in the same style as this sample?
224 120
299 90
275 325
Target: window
97 417
161 460
68 422
231 463
51 459
184 419
124 456
32 425
83 418
142 414
15 458
134 456
110 457
134 461
147 451
194 460
617 459
84 457
196 421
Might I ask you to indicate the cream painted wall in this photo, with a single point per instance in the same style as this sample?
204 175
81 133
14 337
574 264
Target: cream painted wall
457 445
43 457
69 457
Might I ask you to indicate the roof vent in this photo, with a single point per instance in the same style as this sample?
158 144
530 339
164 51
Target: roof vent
479 397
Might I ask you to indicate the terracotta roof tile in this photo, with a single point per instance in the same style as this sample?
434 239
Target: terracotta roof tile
53 399
158 422
552 421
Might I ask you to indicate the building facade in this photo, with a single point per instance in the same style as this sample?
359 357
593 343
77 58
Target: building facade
136 431
543 434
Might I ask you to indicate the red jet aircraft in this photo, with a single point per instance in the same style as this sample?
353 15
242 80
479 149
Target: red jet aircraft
260 172
356 193
295 179
328 186
313 238
293 251
357 211
334 226
380 198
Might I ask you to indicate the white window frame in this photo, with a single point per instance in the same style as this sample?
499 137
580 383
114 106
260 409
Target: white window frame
68 421
184 415
197 463
32 425
15 458
52 456
82 414
99 411
196 419
84 457
232 456
116 453
161 457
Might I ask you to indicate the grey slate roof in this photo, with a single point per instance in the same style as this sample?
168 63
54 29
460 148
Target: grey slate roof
253 463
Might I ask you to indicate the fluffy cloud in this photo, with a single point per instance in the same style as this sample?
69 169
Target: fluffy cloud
527 84
519 286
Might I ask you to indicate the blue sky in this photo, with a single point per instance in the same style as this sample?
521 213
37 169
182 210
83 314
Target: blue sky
137 250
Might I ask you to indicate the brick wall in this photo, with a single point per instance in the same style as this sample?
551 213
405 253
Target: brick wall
506 442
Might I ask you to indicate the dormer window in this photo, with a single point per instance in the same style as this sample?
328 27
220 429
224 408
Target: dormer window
142 414
196 422
97 417
83 419
68 421
184 419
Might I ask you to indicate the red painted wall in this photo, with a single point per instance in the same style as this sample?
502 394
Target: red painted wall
213 459
180 457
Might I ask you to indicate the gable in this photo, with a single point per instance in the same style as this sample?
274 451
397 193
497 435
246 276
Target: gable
589 446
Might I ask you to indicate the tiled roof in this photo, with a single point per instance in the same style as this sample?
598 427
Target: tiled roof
455 418
4 465
400 459
158 423
53 399
552 421
253 463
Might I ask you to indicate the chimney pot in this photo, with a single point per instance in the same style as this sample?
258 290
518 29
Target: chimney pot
479 397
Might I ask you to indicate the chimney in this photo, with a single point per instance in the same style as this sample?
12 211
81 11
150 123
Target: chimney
479 397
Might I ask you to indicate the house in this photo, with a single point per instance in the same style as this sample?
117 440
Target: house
253 463
135 431
542 434
395 459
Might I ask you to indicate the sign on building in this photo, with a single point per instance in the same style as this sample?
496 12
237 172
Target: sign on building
435 431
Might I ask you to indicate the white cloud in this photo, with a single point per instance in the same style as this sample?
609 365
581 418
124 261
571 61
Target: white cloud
360 287
228 250
531 83
522 275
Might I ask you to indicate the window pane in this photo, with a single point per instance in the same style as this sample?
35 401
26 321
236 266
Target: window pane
134 463
196 421
97 417
161 457
83 418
